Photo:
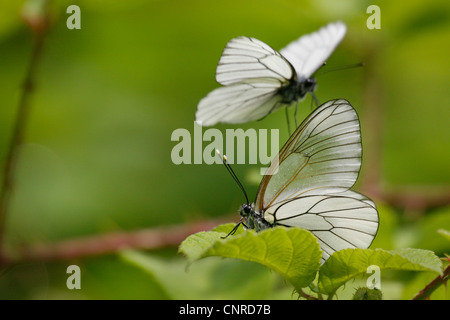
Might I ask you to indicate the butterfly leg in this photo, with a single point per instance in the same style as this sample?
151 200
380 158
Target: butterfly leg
295 114
314 99
287 120
233 231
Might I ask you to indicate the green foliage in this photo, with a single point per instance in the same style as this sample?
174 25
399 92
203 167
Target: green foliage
295 254
349 263
108 97
205 279
444 233
367 294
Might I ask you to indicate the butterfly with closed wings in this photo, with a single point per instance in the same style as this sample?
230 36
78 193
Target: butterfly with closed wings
314 171
257 79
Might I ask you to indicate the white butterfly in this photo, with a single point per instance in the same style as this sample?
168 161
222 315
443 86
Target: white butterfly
257 79
316 168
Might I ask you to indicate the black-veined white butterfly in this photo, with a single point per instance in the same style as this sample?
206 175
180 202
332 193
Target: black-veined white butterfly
257 79
316 168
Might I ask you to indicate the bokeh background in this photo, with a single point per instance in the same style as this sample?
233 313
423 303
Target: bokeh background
97 153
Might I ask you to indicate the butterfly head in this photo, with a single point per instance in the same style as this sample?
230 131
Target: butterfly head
246 210
248 214
253 219
309 85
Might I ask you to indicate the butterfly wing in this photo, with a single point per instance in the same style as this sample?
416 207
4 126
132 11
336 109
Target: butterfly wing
239 102
252 73
309 52
248 58
339 221
322 156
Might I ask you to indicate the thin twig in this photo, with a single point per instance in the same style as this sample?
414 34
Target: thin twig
418 200
307 296
97 245
38 24
373 114
372 121
433 285
153 238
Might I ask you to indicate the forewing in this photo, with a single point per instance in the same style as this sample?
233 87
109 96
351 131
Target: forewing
339 221
322 156
309 52
240 102
248 58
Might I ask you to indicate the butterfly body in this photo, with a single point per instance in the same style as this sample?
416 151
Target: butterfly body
297 90
254 219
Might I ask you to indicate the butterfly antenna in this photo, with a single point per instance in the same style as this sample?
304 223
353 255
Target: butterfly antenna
361 64
323 65
230 170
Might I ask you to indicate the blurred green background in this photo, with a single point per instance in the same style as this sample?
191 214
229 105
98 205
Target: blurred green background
97 156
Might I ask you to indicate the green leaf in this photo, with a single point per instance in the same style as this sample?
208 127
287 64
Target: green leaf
227 227
294 253
345 264
444 233
367 294
207 279
195 246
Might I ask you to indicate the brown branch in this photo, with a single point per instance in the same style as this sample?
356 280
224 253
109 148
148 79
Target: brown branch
106 244
307 296
171 236
372 123
418 199
433 285
372 119
37 21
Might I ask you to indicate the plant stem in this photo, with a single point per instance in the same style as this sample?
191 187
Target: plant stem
372 116
75 248
7 184
306 296
433 285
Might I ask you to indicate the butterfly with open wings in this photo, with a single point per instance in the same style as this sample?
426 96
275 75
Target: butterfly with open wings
257 79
